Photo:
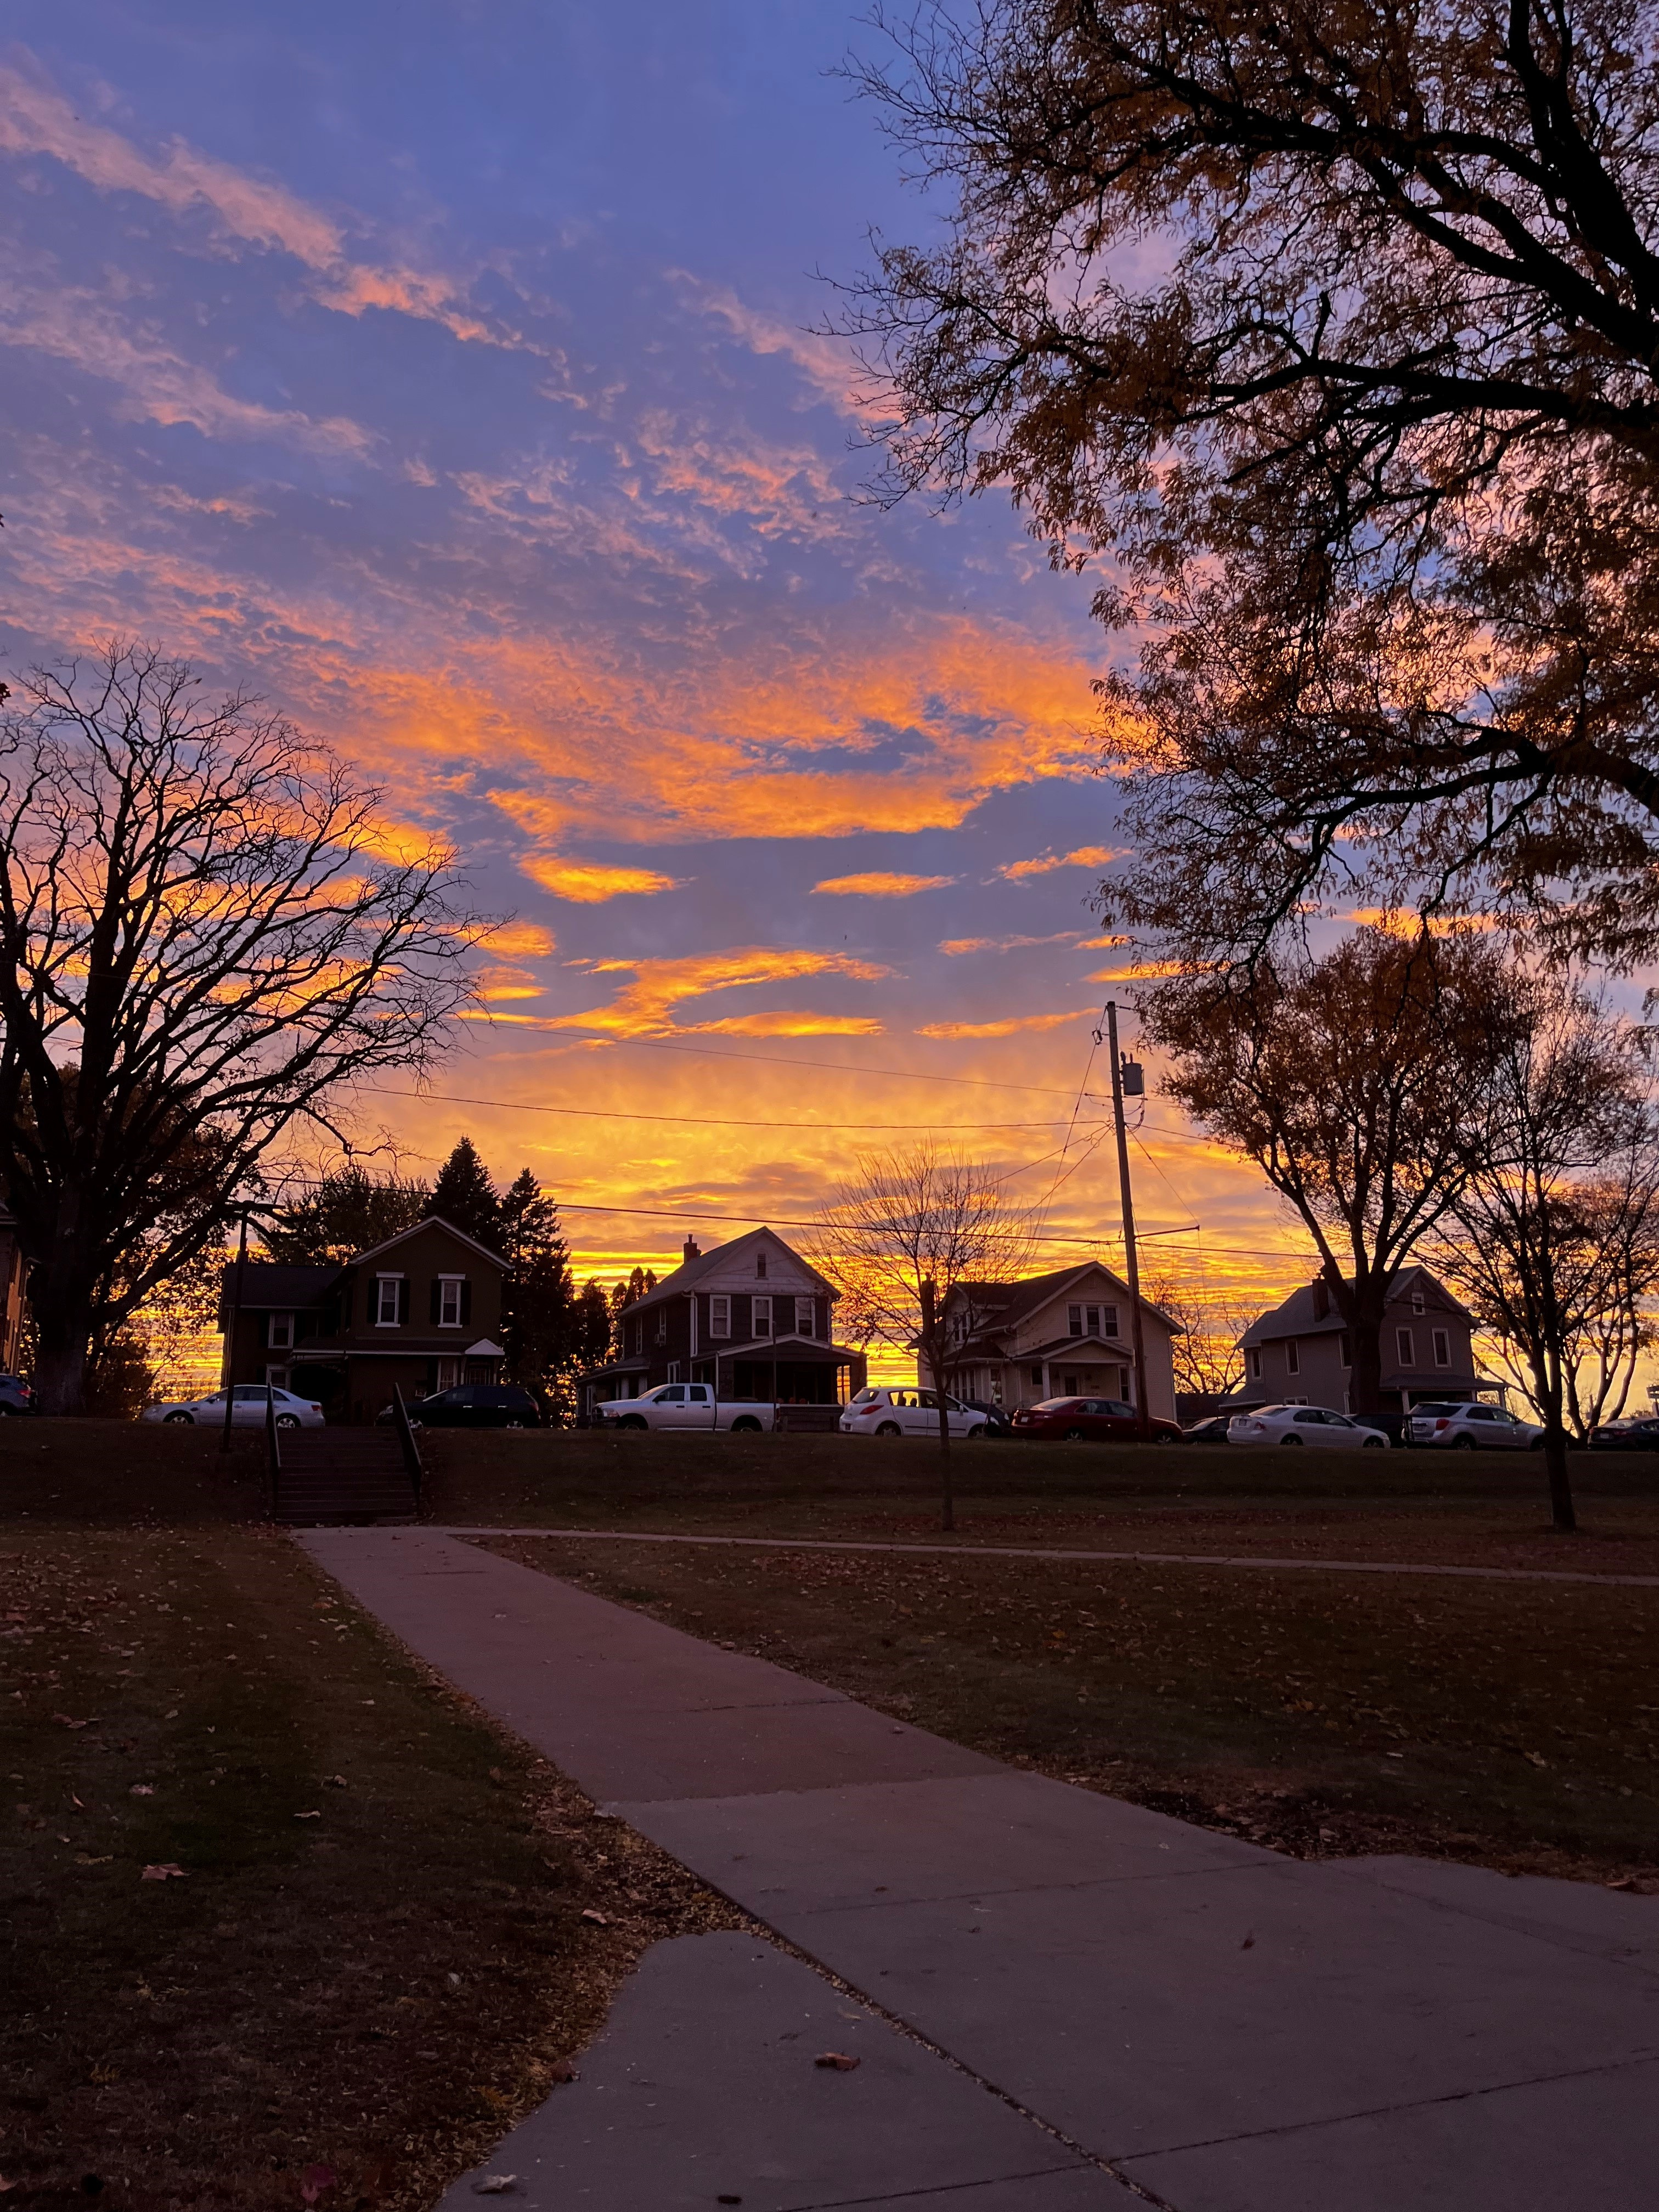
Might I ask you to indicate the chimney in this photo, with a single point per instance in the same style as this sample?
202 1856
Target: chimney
1322 1298
690 1250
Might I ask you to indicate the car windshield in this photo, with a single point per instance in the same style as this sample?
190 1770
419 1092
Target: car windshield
1055 1405
865 1397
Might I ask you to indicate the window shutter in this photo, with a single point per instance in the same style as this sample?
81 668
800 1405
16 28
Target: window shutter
467 1299
403 1302
437 1292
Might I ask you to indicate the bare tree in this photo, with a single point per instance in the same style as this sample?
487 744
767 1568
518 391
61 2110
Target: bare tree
1620 1218
1347 1081
1208 1362
907 1240
201 944
1546 1249
1335 327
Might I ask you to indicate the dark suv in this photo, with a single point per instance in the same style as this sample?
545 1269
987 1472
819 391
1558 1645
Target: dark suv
17 1396
479 1406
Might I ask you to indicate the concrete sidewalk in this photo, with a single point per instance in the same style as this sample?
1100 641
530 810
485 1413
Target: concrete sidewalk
1226 2030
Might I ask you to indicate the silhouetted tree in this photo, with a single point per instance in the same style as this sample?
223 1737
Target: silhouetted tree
540 1320
350 1211
465 1196
201 945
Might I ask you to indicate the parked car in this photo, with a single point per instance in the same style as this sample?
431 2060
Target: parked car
17 1396
473 1406
1304 1424
999 1422
1213 1431
247 1410
1090 1420
880 1410
1467 1425
687 1406
1638 1432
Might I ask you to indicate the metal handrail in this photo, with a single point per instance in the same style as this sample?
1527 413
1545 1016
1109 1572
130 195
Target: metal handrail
406 1436
273 1449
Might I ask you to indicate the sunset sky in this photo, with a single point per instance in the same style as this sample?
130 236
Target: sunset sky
443 373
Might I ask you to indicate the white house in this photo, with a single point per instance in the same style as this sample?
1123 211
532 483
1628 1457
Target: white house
1070 1334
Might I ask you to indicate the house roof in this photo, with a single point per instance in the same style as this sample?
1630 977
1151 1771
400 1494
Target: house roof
267 1287
1299 1315
1006 1304
690 1272
431 1221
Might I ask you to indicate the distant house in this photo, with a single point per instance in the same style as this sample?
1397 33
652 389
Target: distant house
1069 1335
14 1294
1301 1353
422 1311
752 1317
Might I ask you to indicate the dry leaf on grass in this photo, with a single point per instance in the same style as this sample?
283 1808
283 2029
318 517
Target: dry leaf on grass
307 1816
169 1871
495 2184
316 2182
598 1919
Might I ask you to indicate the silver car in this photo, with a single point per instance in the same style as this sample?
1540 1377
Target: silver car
887 1412
1304 1424
247 1412
1472 1426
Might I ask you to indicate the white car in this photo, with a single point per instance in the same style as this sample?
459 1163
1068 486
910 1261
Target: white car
1470 1426
885 1411
247 1410
1304 1424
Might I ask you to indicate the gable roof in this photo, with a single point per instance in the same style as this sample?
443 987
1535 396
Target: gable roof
269 1287
431 1221
1299 1315
690 1272
1004 1305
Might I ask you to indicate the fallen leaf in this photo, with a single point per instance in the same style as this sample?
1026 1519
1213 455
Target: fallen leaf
1623 1881
1248 1944
316 2181
307 1816
82 1859
5 2184
141 1790
63 1720
598 1918
495 2184
168 1872
336 1781
76 1801
837 2061
562 2070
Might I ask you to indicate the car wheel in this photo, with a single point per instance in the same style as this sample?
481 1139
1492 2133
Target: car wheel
1299 1442
1163 1437
632 1421
1537 1444
288 1421
1373 1443
1462 1443
179 1421
976 1434
1072 1437
746 1426
889 1429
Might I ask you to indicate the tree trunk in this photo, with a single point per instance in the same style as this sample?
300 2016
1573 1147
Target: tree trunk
1546 1375
65 1338
933 1349
1364 1319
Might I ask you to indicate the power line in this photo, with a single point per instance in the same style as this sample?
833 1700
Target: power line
704 1121
840 1068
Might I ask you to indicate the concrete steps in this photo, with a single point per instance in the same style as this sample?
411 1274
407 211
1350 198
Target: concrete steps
342 1477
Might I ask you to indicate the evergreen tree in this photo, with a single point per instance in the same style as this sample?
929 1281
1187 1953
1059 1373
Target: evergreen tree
591 1327
465 1196
626 1293
539 1315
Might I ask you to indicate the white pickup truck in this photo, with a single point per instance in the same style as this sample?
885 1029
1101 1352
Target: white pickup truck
688 1405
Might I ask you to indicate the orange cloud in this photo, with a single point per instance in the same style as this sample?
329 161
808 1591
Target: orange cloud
880 885
1407 923
1004 1028
956 946
589 883
645 1006
519 940
1085 856
1142 971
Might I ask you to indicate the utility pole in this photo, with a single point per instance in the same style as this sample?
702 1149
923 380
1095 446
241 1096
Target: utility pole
230 1333
1136 1082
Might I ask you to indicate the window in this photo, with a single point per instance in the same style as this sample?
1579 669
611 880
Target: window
1416 1301
1253 1362
449 1374
1036 1376
1405 1350
1292 1357
388 1300
720 1316
760 1267
1442 1347
449 1301
1092 1316
279 1332
674 1377
1069 1386
1345 1348
1074 1321
806 1320
1108 1321
671 1397
762 1316
662 1324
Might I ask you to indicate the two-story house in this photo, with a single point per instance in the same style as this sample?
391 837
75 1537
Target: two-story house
422 1311
14 1294
1069 1335
752 1317
1301 1352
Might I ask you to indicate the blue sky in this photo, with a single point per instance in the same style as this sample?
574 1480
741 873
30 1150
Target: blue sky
445 373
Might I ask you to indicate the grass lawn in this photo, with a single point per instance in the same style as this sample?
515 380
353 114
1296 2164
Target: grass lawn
390 1924
1478 1509
1509 1722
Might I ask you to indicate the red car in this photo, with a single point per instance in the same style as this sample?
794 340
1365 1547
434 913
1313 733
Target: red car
1090 1420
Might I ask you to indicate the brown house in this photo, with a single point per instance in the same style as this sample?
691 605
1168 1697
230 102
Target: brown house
1300 1354
14 1302
422 1311
752 1317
